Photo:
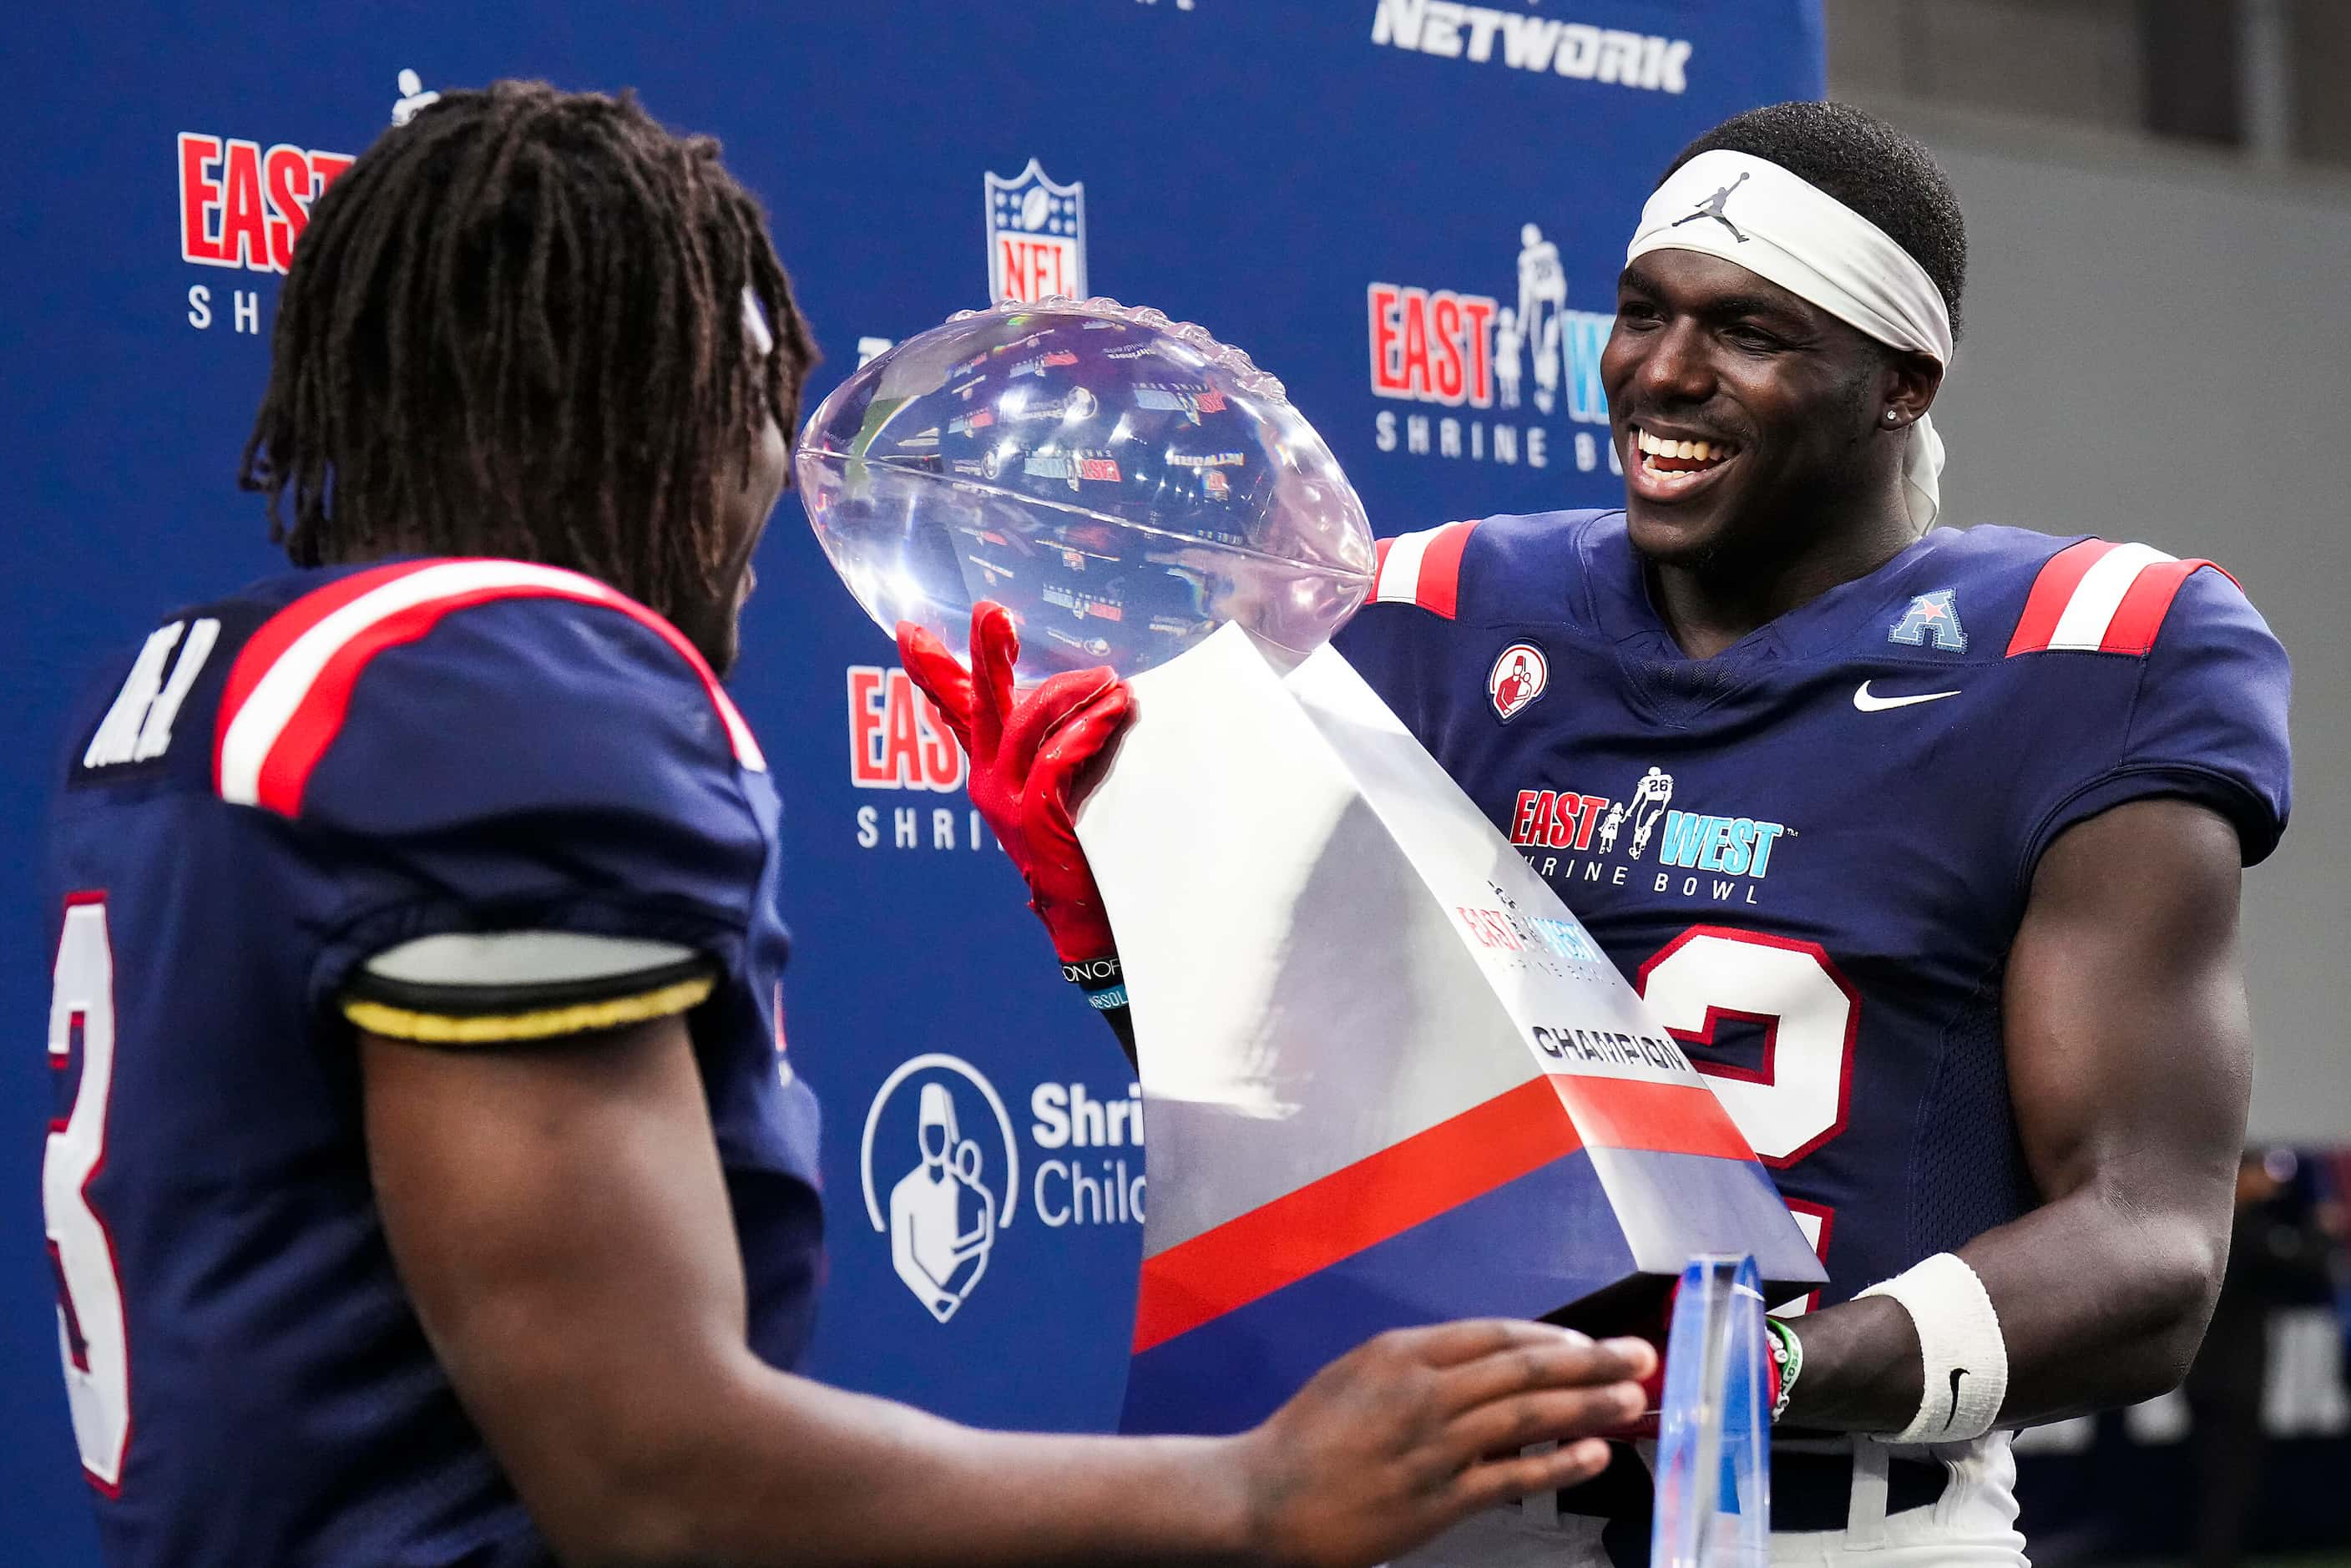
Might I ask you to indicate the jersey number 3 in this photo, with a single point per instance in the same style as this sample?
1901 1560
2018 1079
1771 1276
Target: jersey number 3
90 1336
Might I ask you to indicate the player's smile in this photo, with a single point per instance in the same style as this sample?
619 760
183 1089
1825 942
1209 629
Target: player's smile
1666 464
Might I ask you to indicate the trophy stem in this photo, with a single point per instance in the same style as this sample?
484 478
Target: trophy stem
1714 1441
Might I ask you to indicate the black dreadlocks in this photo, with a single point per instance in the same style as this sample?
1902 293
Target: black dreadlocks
1877 171
515 326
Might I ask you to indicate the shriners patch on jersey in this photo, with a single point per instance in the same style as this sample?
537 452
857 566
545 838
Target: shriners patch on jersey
1932 619
1517 677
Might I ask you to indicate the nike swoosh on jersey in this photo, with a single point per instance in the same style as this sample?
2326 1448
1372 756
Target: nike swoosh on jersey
1867 704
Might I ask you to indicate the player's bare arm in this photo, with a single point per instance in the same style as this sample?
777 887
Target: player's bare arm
560 1218
2129 1063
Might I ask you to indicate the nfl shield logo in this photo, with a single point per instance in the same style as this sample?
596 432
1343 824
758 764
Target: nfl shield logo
1036 236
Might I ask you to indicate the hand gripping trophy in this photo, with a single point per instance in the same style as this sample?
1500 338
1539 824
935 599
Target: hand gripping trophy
1389 1079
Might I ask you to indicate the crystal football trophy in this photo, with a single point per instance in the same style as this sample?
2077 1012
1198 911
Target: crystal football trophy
1122 483
1388 1078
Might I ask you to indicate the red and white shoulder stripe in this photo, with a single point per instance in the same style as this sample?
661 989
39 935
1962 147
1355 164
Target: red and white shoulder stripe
290 688
1422 568
2103 597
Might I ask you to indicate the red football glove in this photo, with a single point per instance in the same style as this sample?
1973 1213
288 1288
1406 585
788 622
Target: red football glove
1027 755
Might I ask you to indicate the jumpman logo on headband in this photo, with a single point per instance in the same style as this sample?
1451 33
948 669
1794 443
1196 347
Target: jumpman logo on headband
1712 208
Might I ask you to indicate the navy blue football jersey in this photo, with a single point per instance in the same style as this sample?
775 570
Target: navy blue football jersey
1811 851
457 802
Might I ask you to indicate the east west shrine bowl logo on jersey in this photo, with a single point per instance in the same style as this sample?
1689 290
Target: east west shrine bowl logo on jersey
1728 855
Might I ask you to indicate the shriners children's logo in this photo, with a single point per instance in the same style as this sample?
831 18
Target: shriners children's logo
943 1213
1518 676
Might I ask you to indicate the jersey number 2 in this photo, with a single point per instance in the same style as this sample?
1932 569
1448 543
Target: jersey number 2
1796 1098
91 1339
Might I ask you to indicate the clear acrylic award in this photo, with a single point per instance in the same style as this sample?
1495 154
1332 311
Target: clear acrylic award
1713 1467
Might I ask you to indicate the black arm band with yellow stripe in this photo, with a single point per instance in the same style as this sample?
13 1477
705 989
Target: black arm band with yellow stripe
490 1014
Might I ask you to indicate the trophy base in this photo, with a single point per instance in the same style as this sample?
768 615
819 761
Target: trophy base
1714 1437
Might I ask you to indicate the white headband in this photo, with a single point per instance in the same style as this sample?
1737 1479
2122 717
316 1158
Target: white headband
1780 226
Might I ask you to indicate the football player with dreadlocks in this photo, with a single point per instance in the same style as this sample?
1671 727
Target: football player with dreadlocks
425 1189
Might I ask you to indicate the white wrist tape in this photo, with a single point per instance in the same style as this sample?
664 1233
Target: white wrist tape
1966 1358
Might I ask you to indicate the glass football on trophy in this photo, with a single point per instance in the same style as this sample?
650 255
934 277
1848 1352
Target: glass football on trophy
1124 485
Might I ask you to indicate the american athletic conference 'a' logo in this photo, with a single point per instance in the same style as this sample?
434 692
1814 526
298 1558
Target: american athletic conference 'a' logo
1036 236
1932 619
943 1212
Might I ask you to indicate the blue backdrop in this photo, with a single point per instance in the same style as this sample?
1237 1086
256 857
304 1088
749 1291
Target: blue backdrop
1410 209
